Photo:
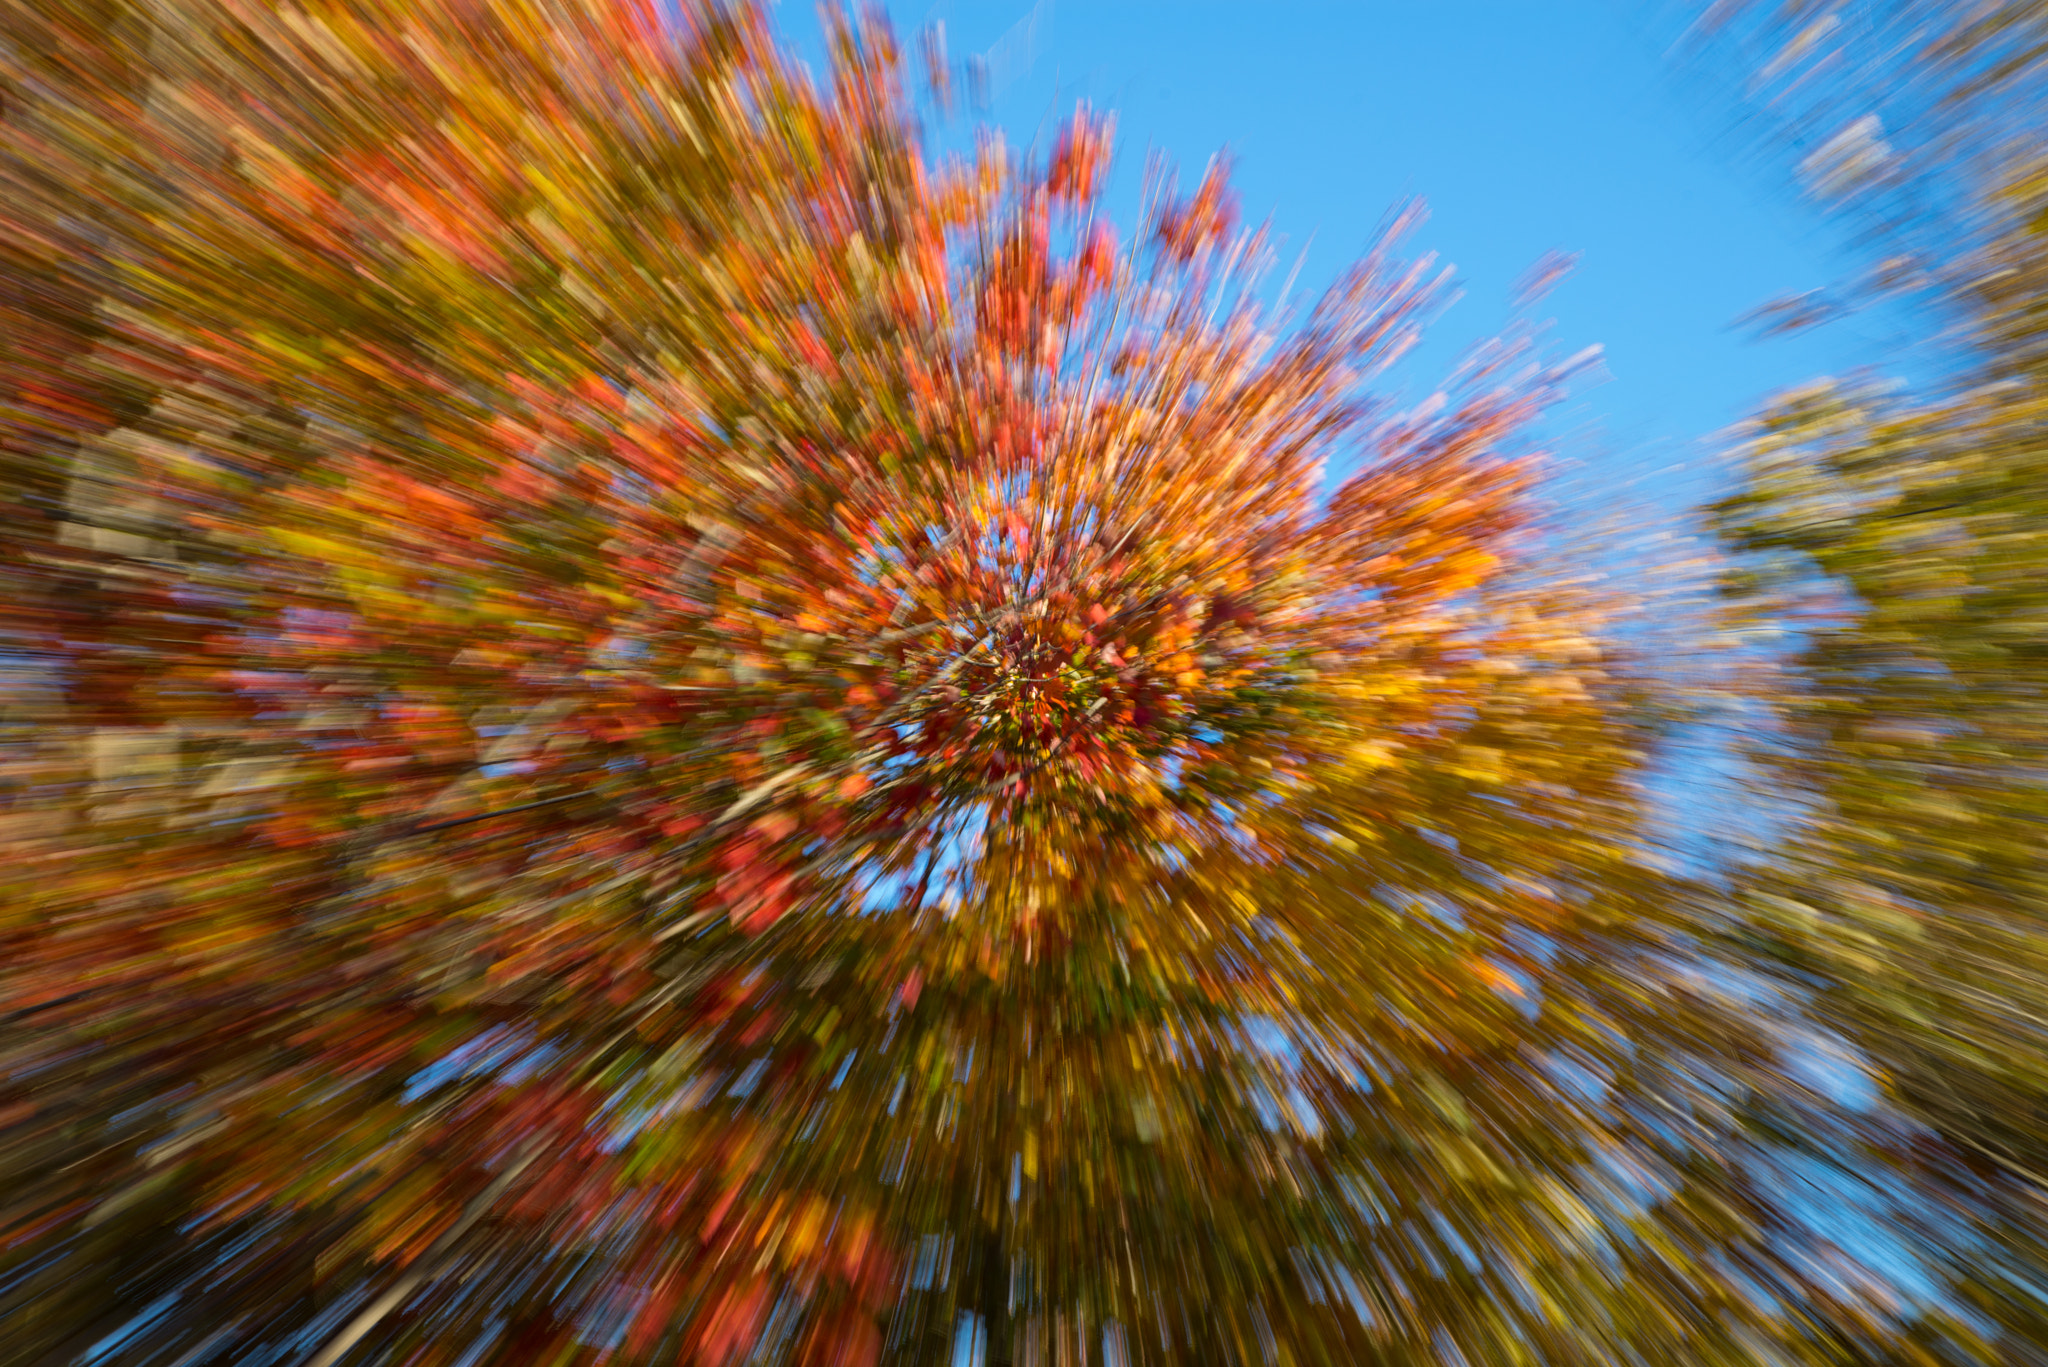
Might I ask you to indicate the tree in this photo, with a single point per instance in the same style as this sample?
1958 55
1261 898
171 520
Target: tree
1903 536
653 728
297 669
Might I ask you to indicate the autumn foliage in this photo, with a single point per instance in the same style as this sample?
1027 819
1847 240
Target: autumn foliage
652 725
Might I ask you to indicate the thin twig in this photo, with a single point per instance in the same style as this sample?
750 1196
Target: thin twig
485 816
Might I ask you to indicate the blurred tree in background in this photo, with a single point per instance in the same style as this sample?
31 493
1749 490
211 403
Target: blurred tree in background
647 725
1903 538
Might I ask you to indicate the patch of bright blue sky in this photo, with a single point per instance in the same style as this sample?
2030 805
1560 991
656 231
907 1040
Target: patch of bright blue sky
958 849
1527 128
504 1053
970 1340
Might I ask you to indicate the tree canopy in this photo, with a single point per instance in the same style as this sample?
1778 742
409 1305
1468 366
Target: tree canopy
648 723
1900 530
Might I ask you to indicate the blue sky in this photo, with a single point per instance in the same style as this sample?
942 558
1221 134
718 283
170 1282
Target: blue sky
1526 127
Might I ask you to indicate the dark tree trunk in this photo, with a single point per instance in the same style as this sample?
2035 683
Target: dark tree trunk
994 1297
